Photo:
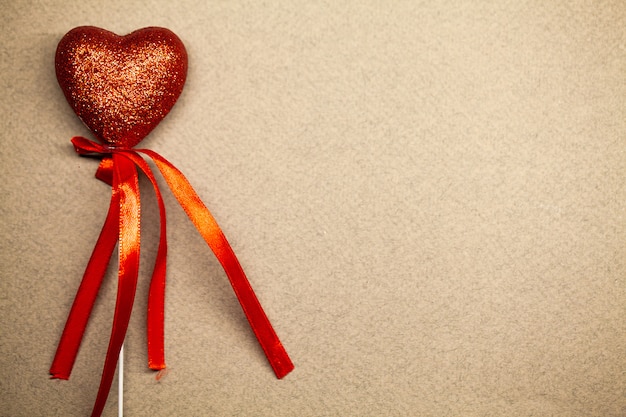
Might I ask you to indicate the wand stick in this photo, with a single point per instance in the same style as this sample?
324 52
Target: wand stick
120 385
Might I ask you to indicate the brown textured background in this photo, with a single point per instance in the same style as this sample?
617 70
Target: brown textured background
428 197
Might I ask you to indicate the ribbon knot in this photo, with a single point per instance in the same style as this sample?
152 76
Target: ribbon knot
122 225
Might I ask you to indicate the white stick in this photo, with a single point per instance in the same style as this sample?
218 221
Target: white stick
120 386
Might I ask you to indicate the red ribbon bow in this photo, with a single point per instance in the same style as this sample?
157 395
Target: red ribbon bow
122 224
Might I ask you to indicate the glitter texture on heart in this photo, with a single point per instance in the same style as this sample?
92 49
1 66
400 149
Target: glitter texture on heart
121 86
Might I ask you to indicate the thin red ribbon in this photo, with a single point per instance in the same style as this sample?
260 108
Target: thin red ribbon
122 224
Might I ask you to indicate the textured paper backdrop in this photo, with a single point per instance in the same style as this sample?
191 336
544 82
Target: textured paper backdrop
429 199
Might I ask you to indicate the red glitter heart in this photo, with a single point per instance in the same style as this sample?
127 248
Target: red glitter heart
121 86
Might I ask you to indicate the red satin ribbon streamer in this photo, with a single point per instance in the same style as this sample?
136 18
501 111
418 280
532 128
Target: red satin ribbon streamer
122 224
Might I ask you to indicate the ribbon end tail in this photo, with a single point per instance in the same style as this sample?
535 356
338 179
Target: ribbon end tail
282 365
60 369
59 375
283 371
156 366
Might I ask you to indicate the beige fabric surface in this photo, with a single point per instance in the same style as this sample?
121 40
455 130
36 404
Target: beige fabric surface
429 199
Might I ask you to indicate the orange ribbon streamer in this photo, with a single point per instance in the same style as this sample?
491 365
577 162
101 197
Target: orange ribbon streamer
122 224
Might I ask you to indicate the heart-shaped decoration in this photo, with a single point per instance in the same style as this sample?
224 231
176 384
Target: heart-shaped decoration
121 86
